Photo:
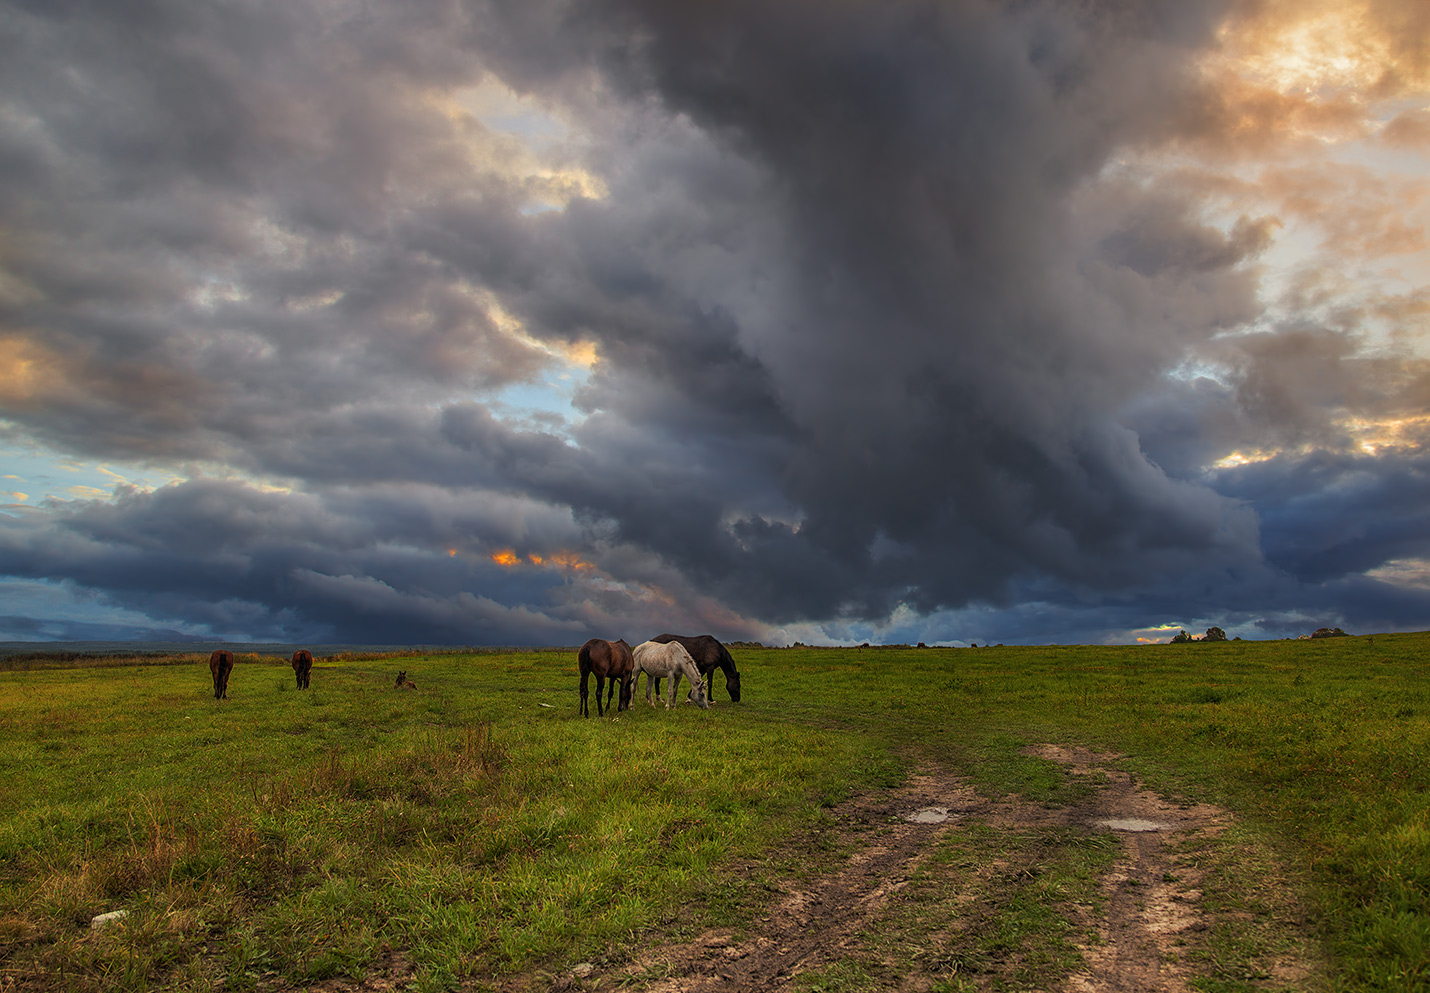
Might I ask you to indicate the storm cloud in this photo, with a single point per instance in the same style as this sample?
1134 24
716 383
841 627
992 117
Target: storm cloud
522 322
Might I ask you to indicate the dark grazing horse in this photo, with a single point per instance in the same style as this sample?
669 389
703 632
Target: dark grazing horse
608 660
221 664
302 666
709 655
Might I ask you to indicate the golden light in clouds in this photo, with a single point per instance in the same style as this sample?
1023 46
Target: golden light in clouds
518 141
1375 435
569 560
580 353
26 369
508 558
1308 47
1326 70
1364 436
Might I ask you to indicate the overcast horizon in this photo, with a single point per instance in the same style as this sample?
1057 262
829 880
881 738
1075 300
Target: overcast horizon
518 322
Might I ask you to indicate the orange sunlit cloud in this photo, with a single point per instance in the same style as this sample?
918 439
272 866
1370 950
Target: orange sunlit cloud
27 368
508 558
1318 70
569 560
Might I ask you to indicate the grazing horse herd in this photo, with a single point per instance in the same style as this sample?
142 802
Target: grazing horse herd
666 656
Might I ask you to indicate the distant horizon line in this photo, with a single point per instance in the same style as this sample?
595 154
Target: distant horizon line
115 646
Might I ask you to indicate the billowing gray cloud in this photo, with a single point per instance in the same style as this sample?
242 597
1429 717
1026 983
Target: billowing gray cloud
887 325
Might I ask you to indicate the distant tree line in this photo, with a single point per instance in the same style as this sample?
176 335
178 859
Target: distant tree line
1213 634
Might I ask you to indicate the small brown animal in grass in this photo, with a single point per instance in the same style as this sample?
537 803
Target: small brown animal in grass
403 683
302 666
221 664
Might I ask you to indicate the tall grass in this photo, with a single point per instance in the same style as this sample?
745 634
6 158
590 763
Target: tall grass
479 826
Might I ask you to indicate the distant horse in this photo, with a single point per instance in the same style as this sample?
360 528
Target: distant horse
221 664
709 655
670 661
403 683
302 666
608 660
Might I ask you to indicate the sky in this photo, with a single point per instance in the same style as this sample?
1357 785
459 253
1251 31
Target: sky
521 322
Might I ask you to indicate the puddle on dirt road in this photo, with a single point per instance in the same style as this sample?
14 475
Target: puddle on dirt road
928 815
1134 824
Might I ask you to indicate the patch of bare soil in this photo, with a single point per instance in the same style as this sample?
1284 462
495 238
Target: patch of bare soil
1152 897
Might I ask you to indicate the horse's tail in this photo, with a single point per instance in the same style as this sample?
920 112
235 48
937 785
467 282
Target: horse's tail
583 662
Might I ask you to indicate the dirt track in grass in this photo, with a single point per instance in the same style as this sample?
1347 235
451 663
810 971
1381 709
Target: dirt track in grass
1142 933
1149 922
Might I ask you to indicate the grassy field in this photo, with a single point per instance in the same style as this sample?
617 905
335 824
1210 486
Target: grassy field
477 827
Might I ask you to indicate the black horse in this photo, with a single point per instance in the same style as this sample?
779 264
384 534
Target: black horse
709 655
302 666
221 664
608 660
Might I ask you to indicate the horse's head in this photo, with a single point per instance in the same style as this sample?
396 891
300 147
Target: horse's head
732 685
697 692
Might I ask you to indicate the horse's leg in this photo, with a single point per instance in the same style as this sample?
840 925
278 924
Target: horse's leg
612 691
585 710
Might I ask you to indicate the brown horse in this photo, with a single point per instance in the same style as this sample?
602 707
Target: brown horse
608 660
709 655
302 666
221 664
403 683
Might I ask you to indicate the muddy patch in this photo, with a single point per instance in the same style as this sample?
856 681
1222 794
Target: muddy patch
1134 824
927 815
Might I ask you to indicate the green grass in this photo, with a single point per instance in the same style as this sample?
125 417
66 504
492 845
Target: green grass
480 827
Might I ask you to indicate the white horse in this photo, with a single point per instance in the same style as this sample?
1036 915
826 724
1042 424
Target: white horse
671 661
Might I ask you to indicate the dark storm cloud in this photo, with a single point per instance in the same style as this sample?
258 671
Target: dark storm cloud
882 322
945 370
